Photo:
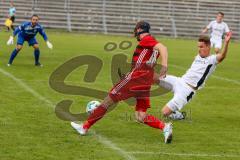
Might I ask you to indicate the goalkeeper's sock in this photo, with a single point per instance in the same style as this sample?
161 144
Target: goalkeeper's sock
36 56
154 122
13 55
97 114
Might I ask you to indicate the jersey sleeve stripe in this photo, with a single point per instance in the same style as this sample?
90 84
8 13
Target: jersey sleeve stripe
128 77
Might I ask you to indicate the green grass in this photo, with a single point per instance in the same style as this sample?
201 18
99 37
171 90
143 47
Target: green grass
29 128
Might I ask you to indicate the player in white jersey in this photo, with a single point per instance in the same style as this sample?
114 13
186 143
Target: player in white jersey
185 87
218 29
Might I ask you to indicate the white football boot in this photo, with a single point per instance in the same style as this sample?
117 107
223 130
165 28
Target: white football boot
79 128
167 132
178 115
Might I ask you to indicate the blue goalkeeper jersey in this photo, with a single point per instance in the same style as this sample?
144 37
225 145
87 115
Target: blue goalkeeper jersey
27 31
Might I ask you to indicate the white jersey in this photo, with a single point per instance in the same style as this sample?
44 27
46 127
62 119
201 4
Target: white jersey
200 70
217 29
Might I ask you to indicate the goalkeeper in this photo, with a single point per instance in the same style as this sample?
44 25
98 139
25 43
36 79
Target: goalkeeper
27 32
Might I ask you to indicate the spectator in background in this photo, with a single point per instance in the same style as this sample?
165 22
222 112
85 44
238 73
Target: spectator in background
11 17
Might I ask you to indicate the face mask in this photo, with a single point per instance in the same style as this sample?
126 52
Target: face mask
137 34
138 37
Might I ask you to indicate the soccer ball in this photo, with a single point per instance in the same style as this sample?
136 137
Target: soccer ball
91 106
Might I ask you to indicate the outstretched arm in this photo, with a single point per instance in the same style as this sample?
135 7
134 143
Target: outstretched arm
15 32
164 58
223 54
205 30
44 35
18 29
209 26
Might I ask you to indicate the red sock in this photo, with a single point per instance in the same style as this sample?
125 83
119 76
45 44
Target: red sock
154 122
97 114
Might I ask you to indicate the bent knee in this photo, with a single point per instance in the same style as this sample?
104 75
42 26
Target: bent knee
18 48
36 46
140 116
140 120
166 111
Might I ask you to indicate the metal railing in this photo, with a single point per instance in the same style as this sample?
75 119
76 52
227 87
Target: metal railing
175 18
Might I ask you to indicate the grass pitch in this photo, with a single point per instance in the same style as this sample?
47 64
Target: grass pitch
29 128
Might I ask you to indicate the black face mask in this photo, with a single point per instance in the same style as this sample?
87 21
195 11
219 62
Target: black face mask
138 38
137 34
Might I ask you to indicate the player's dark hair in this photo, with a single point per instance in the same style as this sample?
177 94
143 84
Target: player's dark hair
221 13
34 15
204 39
145 26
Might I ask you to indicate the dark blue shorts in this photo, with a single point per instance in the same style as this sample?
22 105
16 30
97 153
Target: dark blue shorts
31 41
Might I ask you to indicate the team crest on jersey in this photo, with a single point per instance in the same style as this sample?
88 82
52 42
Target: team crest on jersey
201 61
31 30
28 28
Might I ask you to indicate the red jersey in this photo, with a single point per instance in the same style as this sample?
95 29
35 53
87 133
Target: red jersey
144 54
137 83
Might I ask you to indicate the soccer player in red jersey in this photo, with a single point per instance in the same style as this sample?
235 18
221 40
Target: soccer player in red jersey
137 83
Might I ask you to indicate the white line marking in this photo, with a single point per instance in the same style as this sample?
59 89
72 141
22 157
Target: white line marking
216 77
222 88
187 154
100 138
227 79
27 88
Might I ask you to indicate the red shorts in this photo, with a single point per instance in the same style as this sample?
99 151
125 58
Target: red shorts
142 104
135 84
